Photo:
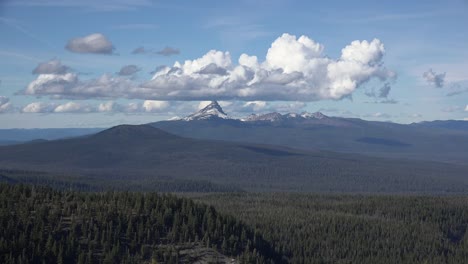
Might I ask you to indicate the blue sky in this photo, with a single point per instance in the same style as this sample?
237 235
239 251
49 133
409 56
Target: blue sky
409 64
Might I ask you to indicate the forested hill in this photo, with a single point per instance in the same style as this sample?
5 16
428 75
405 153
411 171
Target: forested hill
42 225
145 158
355 228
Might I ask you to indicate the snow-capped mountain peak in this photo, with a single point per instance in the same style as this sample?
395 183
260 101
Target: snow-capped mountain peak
276 117
213 110
316 115
272 117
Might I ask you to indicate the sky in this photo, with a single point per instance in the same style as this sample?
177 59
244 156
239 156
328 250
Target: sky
91 63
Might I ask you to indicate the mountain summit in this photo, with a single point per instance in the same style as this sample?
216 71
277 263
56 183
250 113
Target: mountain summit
211 111
277 117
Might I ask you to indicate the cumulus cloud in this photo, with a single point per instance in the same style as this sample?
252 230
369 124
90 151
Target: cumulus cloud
213 69
95 43
52 84
51 67
154 106
168 51
128 70
69 86
295 69
147 106
466 108
5 104
107 107
433 78
39 107
254 106
239 108
49 107
72 107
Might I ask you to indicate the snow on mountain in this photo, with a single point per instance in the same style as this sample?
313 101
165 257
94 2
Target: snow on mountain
213 110
276 117
272 117
316 115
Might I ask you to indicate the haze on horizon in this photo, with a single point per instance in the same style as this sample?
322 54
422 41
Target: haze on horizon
103 63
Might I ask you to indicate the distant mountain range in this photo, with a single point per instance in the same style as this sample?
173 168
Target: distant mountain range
14 136
128 156
273 152
445 141
211 111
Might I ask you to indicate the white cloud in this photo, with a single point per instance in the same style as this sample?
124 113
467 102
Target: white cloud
95 43
107 106
52 84
256 105
466 108
155 106
72 107
5 104
59 86
294 55
363 51
203 104
103 107
39 107
295 69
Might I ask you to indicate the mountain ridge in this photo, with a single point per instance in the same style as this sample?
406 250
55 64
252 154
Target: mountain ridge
211 111
438 141
141 155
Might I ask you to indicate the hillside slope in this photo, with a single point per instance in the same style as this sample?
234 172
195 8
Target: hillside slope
143 154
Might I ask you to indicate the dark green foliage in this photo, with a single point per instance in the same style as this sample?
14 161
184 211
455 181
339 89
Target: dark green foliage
67 182
354 228
42 225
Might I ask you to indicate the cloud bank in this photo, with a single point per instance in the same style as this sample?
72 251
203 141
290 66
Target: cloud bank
95 43
295 69
147 106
